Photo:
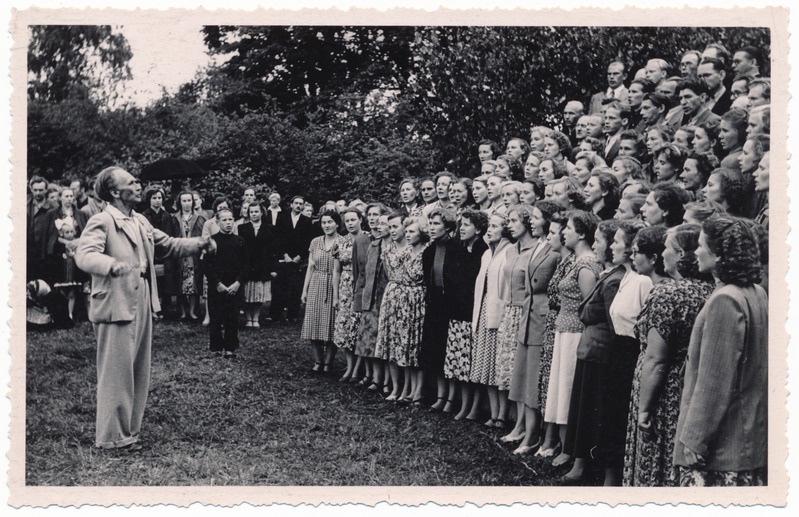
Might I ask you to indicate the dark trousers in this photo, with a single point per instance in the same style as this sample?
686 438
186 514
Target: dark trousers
286 291
223 311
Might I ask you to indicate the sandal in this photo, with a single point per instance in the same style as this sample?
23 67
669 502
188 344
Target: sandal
317 368
374 387
364 382
435 407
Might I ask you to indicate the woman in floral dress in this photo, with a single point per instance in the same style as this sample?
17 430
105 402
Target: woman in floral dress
399 328
664 330
317 294
346 327
577 283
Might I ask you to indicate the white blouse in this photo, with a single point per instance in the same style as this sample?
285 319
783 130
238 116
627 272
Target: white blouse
627 305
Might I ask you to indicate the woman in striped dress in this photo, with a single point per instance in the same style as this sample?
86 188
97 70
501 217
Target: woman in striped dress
317 293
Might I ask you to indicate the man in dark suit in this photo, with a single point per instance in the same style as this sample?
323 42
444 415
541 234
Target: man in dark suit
294 232
693 96
711 72
617 73
37 208
617 118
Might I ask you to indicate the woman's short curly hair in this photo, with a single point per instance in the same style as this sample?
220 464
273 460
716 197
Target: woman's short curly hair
548 209
675 155
478 218
559 169
687 238
706 163
608 230
651 242
575 192
610 185
632 166
737 119
525 213
733 188
735 245
596 144
333 214
447 217
704 209
564 144
421 223
671 198
584 223
503 222
152 190
630 229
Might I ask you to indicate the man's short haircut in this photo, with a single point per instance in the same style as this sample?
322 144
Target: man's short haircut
721 51
696 86
296 198
617 62
765 83
718 64
223 210
37 179
753 53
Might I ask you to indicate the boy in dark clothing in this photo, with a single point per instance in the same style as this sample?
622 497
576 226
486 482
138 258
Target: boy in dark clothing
225 273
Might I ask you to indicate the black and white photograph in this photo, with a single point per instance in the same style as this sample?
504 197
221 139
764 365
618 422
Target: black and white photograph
399 256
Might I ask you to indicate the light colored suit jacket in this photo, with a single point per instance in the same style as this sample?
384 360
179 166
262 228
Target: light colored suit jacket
536 303
109 237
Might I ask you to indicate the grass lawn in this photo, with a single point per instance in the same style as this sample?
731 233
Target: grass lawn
259 419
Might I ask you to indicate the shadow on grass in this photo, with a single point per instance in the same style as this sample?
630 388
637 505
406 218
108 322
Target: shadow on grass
259 419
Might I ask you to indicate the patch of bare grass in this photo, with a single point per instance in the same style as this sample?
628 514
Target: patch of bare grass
260 419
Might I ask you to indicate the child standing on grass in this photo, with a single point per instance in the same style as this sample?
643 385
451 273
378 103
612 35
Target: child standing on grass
68 278
225 273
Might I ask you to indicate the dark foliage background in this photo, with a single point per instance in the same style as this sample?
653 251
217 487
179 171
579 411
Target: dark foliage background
328 111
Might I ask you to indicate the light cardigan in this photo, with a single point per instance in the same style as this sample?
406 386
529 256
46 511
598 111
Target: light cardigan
489 280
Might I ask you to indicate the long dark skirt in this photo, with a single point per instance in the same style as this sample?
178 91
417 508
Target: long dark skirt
616 405
434 335
583 432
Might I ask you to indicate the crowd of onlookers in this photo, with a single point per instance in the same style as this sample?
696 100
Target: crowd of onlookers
603 284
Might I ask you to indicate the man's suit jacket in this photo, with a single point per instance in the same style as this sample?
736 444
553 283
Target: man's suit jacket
294 240
536 303
613 152
722 105
596 100
705 116
108 237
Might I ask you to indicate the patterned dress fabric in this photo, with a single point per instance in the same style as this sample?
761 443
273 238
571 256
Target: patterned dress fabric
457 364
346 327
671 309
483 368
568 329
549 332
399 328
320 314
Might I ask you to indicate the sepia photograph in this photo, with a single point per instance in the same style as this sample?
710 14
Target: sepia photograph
453 256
